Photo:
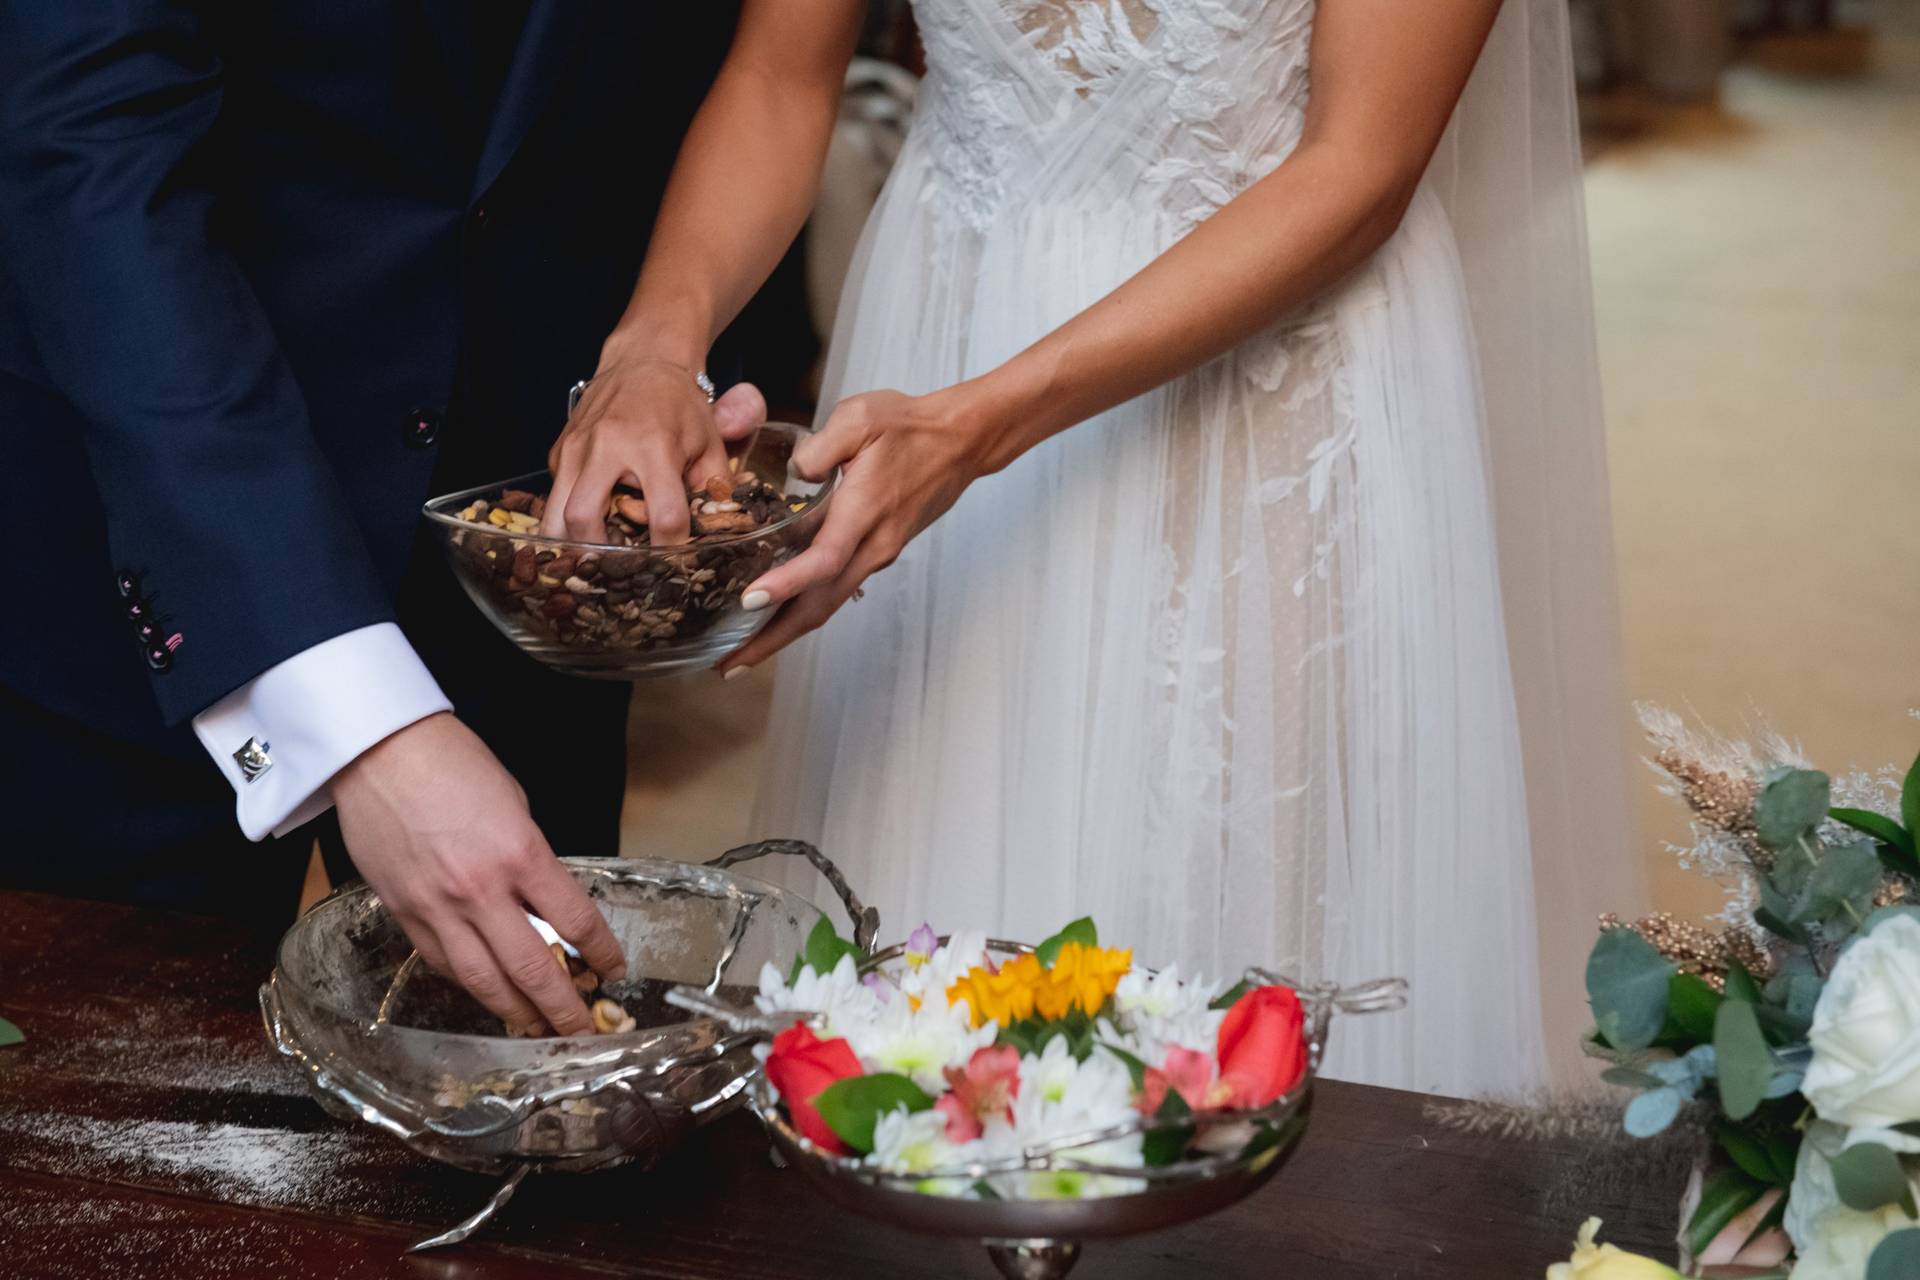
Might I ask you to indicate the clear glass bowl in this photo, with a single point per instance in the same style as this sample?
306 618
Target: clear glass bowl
648 611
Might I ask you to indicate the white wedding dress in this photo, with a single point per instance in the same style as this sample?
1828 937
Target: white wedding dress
1225 667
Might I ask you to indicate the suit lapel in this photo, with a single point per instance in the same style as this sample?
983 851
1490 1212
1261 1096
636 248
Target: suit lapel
552 29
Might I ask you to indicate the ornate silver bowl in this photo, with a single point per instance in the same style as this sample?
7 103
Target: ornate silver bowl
1041 1239
385 1041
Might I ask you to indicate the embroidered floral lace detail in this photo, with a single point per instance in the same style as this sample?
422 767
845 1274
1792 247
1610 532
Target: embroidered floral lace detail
1013 87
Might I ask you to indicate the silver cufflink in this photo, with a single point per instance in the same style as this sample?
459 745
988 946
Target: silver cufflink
253 759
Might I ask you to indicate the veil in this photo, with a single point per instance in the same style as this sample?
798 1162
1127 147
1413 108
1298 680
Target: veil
1509 173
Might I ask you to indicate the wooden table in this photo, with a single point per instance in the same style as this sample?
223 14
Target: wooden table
148 1130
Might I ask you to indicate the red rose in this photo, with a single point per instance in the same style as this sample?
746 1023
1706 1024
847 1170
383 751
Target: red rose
801 1066
1262 1051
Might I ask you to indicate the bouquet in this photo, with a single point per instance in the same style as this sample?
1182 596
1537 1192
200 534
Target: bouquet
973 1069
1790 1038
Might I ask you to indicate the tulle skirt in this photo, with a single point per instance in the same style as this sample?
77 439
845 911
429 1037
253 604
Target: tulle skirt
1224 667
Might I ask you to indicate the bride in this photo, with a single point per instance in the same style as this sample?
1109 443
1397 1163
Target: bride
1215 384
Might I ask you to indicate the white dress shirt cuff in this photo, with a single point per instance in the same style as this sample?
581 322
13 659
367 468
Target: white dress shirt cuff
280 738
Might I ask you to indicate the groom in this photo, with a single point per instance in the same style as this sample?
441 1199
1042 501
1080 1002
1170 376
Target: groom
271 274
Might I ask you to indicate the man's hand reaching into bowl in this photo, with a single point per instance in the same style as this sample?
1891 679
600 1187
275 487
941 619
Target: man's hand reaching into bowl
441 831
643 422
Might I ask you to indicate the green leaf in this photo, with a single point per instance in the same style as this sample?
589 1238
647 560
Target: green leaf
1268 1140
1791 805
1231 996
1744 1062
1166 1146
853 1106
1135 1068
1024 1035
825 946
10 1034
1769 917
1627 982
1265 1138
1868 1177
1769 1158
1691 1004
1841 888
1897 1257
1653 1111
1741 986
1080 931
1879 826
1783 1026
1910 801
1727 1194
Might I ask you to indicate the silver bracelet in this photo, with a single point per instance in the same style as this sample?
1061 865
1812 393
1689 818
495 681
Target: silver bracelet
700 380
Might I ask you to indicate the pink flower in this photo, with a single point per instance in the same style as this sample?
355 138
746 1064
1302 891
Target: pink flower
1188 1073
984 1088
962 1124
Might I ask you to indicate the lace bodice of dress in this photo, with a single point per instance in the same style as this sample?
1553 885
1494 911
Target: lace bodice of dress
1172 106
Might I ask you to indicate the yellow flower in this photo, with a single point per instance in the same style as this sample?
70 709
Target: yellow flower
1080 978
1605 1262
1087 975
1003 996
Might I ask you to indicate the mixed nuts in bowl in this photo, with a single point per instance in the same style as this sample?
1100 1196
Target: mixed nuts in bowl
622 608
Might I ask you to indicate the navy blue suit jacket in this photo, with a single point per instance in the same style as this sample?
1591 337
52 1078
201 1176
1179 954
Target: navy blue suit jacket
271 274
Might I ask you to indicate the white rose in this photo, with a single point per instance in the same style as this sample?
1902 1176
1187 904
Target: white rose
1844 1239
1865 1072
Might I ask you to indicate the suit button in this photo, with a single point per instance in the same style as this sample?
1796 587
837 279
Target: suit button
139 611
159 657
128 583
147 632
480 218
422 429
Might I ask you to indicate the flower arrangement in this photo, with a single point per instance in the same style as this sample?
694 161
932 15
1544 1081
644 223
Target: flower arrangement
962 1070
1789 1039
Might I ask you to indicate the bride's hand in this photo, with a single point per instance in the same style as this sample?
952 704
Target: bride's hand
905 460
642 422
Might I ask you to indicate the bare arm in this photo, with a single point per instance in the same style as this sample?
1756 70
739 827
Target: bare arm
1385 81
740 192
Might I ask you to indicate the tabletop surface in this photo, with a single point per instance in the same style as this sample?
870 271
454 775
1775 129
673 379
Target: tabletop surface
147 1129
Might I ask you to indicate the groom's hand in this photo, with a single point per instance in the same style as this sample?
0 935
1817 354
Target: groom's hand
642 422
441 831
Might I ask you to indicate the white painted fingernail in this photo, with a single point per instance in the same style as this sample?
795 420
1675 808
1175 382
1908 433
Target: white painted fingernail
755 600
734 673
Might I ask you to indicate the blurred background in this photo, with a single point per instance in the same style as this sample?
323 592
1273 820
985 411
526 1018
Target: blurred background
1753 190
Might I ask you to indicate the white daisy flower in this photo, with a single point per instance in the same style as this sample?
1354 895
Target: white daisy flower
917 1043
1157 1012
1060 1097
839 996
928 981
916 1142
